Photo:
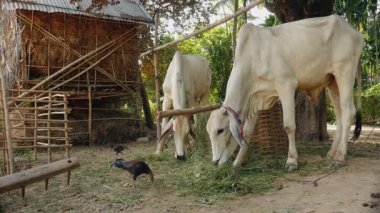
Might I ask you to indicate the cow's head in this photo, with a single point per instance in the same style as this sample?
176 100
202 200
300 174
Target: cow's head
223 143
180 127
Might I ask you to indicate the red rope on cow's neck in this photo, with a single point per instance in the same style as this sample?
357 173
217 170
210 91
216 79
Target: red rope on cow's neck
236 116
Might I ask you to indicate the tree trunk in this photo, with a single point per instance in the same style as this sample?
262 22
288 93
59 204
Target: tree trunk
310 117
146 107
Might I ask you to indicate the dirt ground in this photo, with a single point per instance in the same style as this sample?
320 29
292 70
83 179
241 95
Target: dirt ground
95 187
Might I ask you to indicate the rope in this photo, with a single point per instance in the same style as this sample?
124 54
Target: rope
315 182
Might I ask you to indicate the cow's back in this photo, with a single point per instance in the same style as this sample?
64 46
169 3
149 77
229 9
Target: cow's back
188 75
300 49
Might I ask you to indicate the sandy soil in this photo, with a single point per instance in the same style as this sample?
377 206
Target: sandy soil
343 191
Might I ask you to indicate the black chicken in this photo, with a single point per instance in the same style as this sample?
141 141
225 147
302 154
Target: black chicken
135 168
118 149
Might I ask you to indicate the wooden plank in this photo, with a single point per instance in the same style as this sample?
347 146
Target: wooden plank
33 175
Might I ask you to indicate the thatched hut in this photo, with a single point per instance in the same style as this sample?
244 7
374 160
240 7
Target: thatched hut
90 56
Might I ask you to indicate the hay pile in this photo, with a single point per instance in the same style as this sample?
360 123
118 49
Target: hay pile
106 131
10 45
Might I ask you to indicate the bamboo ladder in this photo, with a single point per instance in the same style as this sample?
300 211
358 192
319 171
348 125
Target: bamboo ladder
44 122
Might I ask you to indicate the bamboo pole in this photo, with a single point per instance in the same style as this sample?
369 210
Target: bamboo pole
42 128
187 111
41 91
35 125
156 71
66 126
90 67
49 132
221 21
90 116
44 146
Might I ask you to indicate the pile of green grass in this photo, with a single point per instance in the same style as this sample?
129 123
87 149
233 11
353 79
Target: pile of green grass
198 176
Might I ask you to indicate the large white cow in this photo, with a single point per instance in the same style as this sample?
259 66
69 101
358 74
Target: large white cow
187 84
272 63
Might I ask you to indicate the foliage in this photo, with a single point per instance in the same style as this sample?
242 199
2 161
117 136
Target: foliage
362 15
216 45
371 104
373 91
271 21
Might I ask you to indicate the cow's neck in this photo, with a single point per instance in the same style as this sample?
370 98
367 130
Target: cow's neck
237 94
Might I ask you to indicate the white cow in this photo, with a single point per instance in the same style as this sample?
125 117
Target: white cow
187 84
274 62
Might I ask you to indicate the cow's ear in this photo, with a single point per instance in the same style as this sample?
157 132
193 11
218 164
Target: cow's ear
235 128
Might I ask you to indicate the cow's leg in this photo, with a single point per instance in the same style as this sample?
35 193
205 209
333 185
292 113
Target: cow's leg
249 126
167 104
345 85
286 95
248 131
203 100
334 97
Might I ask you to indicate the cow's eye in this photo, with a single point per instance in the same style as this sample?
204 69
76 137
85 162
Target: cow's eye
220 131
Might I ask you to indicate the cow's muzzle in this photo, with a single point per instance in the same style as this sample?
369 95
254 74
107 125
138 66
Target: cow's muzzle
180 157
215 162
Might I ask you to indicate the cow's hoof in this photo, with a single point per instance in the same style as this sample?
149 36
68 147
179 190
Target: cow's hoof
180 157
335 165
291 167
236 164
329 157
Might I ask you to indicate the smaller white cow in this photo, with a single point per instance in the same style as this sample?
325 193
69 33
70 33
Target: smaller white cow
272 63
187 84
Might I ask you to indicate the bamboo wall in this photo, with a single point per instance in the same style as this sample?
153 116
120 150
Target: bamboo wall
96 101
44 57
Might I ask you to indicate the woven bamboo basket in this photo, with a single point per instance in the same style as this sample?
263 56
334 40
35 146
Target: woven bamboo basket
269 136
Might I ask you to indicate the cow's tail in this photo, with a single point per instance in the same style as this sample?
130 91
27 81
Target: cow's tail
358 125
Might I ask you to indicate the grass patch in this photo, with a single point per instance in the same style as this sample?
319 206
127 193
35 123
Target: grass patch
198 176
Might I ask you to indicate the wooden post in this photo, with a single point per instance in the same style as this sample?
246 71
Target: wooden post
156 71
66 125
89 115
35 126
48 126
6 122
146 107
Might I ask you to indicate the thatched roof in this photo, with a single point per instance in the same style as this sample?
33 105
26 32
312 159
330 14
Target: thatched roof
125 10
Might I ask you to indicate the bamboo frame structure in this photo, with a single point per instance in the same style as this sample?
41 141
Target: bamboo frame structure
93 61
41 124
